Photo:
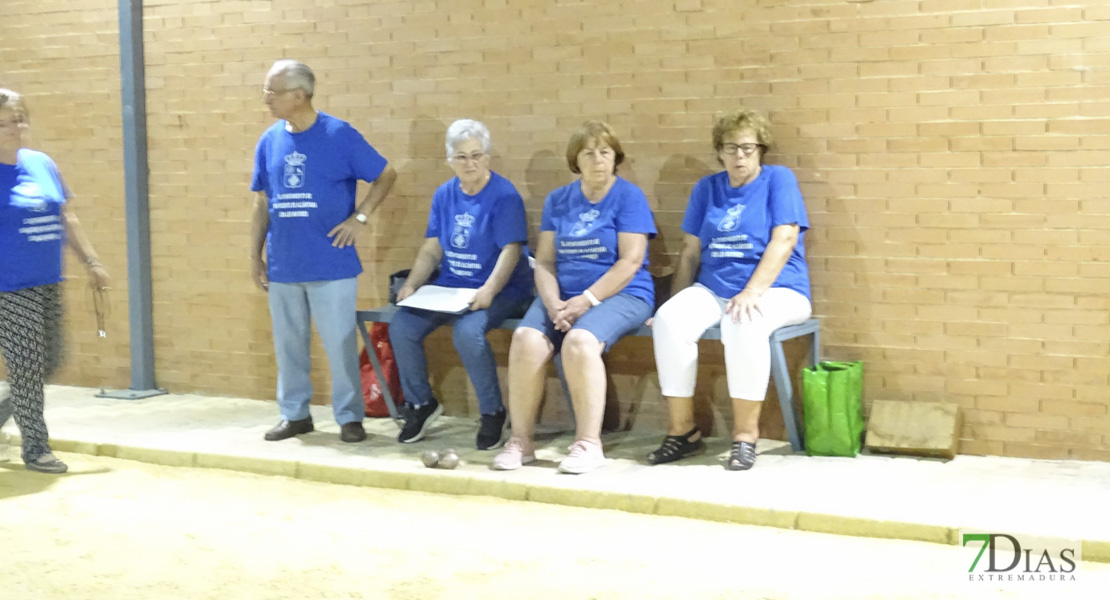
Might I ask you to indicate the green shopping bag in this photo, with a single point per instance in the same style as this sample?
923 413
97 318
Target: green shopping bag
831 396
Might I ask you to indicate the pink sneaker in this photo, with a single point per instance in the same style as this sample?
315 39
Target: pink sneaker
516 454
584 457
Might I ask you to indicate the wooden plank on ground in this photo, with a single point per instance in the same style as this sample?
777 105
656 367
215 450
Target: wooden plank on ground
919 428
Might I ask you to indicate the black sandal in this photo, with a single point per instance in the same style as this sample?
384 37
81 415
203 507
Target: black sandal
677 447
741 457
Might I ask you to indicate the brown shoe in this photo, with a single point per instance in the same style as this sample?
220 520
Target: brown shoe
287 429
352 432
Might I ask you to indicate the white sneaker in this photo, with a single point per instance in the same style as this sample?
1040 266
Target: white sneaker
516 454
584 457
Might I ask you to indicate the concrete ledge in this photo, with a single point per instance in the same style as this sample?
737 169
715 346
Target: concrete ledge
725 513
473 483
169 458
855 526
247 464
584 498
498 488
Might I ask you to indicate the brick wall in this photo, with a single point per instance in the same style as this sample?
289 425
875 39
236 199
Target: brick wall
952 154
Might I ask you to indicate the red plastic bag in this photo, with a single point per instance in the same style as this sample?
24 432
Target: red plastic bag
371 387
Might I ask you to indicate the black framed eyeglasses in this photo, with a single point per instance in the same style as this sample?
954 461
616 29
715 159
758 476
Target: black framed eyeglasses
747 149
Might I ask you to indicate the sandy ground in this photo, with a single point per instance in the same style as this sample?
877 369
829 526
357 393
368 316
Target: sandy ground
118 530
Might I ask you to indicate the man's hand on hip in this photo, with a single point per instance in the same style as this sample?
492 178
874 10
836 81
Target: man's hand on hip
345 233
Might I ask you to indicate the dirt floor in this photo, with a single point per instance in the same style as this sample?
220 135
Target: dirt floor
114 529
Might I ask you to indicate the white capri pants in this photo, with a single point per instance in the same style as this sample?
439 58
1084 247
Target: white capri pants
684 318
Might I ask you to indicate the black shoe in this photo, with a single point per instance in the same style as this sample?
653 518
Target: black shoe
417 420
352 432
491 432
288 429
741 457
677 447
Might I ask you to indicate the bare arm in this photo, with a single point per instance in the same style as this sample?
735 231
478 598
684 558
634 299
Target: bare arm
631 248
379 189
783 240
689 259
345 233
82 247
547 285
260 223
502 271
427 259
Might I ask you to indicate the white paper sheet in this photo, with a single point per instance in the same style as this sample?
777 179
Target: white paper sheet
440 299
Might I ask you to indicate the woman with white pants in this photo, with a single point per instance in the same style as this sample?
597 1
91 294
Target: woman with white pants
744 243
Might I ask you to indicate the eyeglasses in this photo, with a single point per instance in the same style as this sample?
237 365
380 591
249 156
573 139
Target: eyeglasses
465 158
267 92
747 149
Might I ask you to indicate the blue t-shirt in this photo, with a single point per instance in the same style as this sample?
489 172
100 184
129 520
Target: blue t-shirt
310 179
586 236
32 232
472 231
734 225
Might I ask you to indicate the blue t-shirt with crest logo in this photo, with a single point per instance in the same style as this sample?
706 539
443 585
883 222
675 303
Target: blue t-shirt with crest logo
734 225
586 240
472 230
32 230
310 178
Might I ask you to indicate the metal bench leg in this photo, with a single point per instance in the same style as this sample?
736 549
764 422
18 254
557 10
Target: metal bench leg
382 383
814 354
786 395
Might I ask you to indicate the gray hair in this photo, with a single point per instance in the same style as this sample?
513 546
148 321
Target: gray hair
465 129
297 75
14 101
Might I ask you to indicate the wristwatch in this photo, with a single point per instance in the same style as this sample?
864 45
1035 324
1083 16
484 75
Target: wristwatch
592 298
361 218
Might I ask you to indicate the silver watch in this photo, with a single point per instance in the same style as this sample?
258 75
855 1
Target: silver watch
361 218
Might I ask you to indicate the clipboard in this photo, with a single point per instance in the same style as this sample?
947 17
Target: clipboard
441 299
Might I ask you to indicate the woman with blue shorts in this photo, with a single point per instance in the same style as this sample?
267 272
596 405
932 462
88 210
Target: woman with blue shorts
593 288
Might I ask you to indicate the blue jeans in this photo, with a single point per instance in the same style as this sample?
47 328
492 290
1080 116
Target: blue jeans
331 304
410 326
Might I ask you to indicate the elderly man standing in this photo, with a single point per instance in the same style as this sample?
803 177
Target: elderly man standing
306 169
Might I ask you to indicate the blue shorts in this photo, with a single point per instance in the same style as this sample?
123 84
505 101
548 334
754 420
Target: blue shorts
614 318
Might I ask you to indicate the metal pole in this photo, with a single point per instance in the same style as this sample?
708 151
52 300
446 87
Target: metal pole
132 71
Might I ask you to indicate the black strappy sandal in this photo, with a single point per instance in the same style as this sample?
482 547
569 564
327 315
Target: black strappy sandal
741 457
677 447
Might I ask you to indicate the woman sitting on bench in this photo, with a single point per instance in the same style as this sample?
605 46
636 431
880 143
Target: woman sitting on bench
593 286
744 229
476 234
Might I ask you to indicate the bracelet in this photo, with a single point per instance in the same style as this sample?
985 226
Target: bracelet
93 262
592 298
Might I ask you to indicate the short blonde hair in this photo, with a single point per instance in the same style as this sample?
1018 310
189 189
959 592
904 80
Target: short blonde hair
592 130
740 120
14 101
